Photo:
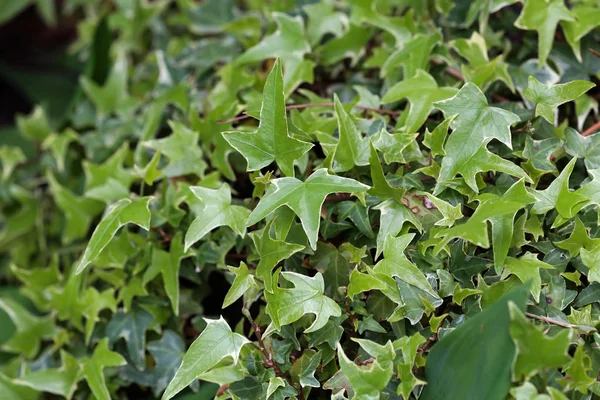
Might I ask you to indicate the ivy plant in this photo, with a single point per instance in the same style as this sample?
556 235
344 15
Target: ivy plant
345 199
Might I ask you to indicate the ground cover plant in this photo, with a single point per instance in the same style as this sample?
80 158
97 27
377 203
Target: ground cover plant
260 199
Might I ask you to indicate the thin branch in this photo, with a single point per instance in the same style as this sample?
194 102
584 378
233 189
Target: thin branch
550 320
455 73
269 362
312 105
591 129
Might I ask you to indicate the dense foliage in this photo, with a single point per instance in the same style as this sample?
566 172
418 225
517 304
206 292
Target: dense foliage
276 199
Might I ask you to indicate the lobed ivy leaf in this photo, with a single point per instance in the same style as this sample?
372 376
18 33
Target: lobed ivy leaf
216 343
271 252
121 213
216 211
422 92
547 98
304 199
543 16
286 306
352 149
271 141
475 124
534 349
93 368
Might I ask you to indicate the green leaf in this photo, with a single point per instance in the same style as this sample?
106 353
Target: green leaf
121 213
435 139
481 343
450 213
169 268
587 17
368 380
35 126
322 20
59 144
304 198
288 42
131 326
241 284
381 188
60 381
305 367
350 45
94 303
534 349
394 146
217 211
79 211
352 149
11 157
14 391
271 252
286 306
422 92
586 147
578 239
543 16
93 369
108 181
30 329
558 195
395 264
547 98
168 353
527 269
215 343
113 95
271 141
591 259
413 56
577 372
500 211
182 150
475 125
393 217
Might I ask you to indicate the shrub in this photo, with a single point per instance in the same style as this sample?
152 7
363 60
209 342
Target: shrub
271 200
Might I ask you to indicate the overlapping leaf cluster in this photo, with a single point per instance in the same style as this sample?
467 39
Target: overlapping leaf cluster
270 200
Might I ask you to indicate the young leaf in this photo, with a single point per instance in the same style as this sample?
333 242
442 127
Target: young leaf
500 211
181 148
352 149
79 211
304 198
243 282
543 16
286 306
527 268
547 98
215 343
475 124
534 349
368 380
217 211
271 141
288 43
30 329
271 252
121 213
422 92
92 369
60 381
396 264
381 188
